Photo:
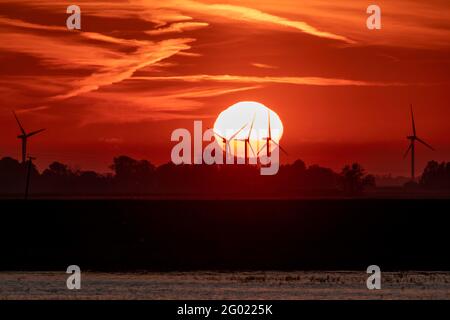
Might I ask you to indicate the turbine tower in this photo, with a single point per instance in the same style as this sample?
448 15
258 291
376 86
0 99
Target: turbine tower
412 146
27 184
24 137
247 142
226 142
269 139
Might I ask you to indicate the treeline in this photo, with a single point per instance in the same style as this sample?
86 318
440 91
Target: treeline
436 176
140 177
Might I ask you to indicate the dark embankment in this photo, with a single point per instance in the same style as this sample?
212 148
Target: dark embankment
126 235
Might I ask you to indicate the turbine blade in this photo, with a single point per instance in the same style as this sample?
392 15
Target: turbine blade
18 122
424 143
237 132
251 126
221 137
34 132
281 148
262 148
228 150
285 152
251 148
217 134
268 121
412 120
407 151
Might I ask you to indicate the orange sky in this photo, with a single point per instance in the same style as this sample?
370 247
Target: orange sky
139 69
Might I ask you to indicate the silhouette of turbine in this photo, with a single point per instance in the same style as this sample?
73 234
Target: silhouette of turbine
27 183
24 137
269 139
247 141
226 142
412 146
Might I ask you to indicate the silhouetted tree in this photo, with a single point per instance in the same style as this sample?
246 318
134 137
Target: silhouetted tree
58 178
436 175
369 181
317 177
88 182
354 179
58 169
133 175
298 167
13 176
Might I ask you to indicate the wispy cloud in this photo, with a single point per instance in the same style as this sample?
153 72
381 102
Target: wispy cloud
312 81
178 27
189 54
112 140
405 23
124 67
247 14
162 104
91 64
263 65
108 64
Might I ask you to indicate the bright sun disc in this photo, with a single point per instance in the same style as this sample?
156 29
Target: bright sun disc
239 116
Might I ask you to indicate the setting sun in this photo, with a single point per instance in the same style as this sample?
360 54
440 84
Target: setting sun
248 120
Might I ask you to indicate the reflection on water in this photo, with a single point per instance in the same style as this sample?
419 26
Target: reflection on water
225 285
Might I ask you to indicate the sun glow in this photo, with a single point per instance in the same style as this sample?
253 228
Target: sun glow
248 120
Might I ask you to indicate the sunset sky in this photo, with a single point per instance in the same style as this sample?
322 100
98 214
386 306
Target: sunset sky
137 70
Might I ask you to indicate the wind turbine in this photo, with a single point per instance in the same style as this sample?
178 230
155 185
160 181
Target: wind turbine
226 142
247 141
412 147
24 136
27 184
269 139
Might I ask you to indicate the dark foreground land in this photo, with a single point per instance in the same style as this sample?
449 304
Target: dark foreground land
163 235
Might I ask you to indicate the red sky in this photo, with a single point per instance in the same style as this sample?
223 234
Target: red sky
137 70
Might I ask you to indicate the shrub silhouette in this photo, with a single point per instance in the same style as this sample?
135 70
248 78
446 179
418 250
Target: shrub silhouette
354 179
436 175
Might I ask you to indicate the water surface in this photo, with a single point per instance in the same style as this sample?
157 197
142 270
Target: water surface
225 285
